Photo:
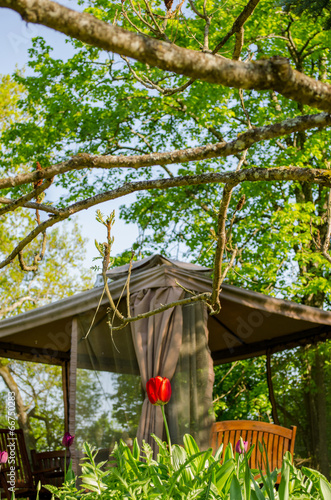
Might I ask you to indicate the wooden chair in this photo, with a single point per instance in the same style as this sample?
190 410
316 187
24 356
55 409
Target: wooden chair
50 466
25 485
278 440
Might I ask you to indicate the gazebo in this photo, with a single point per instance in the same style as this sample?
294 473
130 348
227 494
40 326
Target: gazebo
181 343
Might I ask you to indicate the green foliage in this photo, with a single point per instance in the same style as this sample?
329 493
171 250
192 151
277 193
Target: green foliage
315 8
188 473
93 103
241 391
60 273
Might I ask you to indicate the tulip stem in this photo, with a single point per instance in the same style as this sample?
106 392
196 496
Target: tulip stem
167 432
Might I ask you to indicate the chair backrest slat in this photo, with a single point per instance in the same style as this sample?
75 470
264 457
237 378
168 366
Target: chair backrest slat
277 439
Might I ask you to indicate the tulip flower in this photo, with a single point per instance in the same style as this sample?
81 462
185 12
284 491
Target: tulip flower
67 440
158 390
3 457
239 448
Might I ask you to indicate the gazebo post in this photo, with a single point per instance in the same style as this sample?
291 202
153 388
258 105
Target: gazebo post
65 388
71 376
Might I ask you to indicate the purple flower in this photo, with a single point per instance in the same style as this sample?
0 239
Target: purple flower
239 448
67 440
3 457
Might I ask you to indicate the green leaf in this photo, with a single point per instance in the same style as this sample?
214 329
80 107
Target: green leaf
283 489
235 489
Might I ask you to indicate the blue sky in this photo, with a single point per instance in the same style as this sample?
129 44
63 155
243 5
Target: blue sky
15 40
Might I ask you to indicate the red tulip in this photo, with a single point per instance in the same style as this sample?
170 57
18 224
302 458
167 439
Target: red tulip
239 448
158 390
3 457
67 440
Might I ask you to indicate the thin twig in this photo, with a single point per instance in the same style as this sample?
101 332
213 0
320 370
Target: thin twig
18 303
95 315
220 247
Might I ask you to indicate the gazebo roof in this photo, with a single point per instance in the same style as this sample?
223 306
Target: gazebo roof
249 323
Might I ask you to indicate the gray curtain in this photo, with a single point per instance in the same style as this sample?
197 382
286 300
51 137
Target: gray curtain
191 404
157 341
174 344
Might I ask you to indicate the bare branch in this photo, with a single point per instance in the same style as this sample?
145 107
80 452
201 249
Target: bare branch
238 24
287 173
18 303
239 44
176 90
220 275
13 205
196 11
217 150
326 244
144 81
196 298
105 252
128 313
274 73
229 264
37 258
220 247
241 96
33 205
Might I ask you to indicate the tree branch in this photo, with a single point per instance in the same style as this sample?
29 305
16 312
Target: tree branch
37 258
33 205
274 73
326 244
239 44
220 247
217 150
18 303
238 24
201 296
312 175
13 205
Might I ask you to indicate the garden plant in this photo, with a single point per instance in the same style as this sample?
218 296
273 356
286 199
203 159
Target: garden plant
186 472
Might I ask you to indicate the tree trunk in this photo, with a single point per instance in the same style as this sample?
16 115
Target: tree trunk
22 416
315 397
321 413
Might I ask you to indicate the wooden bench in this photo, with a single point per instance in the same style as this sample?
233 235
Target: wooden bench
278 440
